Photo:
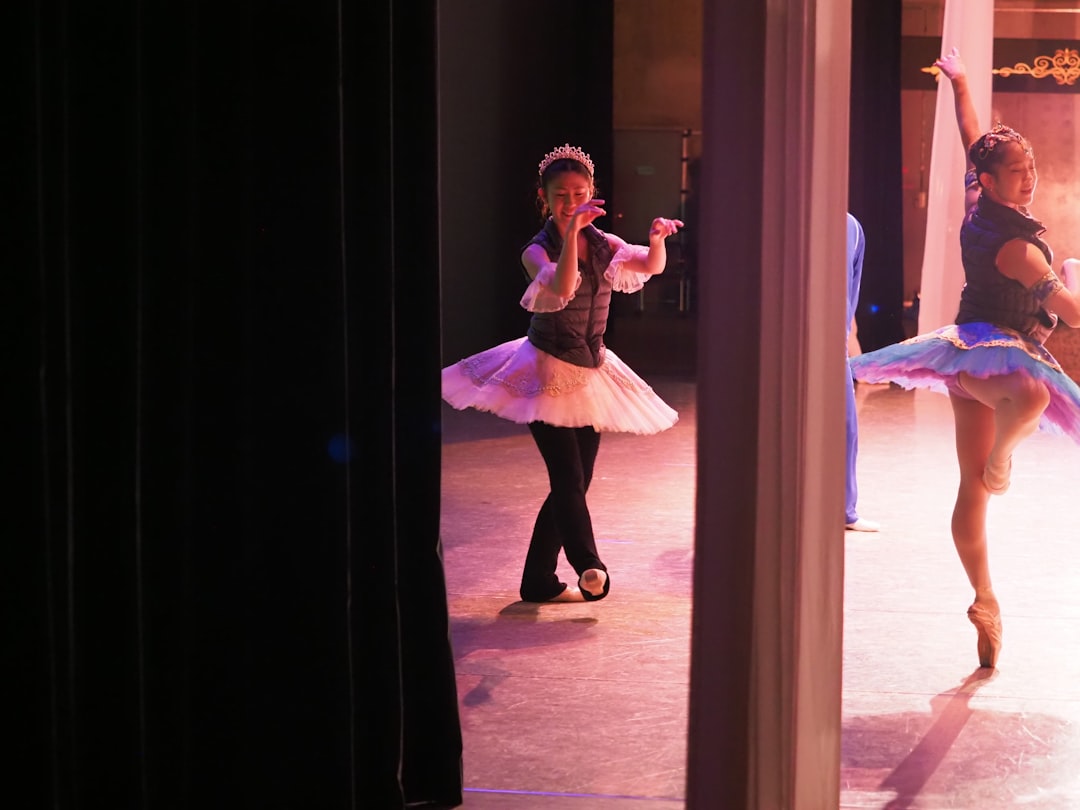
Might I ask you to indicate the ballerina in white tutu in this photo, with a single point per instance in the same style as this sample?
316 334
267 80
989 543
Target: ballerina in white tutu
561 380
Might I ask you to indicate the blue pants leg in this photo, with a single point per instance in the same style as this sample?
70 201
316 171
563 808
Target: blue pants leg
851 486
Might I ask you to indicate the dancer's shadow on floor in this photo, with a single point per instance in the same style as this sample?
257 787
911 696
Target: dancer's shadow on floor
951 713
518 626
975 751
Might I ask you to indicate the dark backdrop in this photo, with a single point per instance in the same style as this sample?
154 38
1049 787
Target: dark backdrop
875 181
222 575
501 110
516 79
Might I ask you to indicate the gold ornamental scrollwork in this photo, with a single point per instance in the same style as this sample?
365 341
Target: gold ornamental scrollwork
1064 66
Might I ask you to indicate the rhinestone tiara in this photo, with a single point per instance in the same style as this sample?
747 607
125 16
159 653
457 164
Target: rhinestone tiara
567 151
999 133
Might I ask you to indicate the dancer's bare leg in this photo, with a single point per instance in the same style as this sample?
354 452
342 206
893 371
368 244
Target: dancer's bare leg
975 429
1018 402
974 438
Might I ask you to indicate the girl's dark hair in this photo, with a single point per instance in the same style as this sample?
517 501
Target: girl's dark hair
560 166
985 155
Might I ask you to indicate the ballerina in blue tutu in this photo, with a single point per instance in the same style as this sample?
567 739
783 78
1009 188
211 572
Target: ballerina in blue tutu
1002 382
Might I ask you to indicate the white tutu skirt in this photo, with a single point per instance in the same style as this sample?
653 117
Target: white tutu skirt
522 384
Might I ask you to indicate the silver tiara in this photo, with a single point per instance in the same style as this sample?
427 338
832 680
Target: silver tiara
567 151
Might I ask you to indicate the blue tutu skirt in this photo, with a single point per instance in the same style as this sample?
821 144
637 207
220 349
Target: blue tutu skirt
935 359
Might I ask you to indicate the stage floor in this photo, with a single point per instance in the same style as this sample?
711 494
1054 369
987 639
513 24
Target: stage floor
585 705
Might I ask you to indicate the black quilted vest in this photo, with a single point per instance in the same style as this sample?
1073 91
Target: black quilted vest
576 332
988 296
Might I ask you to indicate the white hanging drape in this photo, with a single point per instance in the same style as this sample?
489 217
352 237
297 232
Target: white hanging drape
969 26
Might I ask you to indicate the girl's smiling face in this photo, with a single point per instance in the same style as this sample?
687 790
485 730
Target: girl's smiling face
563 193
1013 180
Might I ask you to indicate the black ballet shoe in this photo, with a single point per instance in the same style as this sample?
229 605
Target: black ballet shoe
564 593
988 624
595 584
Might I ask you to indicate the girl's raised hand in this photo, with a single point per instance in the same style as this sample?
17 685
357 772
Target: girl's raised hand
585 213
662 228
951 64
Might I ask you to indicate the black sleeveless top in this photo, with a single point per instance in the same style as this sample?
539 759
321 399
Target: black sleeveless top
576 332
988 296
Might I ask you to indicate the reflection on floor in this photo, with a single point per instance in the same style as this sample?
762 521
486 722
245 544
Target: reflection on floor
584 705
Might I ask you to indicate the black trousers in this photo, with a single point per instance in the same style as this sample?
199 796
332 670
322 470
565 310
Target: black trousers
564 522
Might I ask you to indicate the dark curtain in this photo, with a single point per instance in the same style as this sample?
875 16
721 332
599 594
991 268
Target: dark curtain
875 181
224 308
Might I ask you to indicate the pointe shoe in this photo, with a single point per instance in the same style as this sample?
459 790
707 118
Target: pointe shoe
988 624
996 479
593 582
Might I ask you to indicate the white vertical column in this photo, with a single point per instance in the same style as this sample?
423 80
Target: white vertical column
969 26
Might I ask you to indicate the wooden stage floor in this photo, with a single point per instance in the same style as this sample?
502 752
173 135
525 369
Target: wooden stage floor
569 706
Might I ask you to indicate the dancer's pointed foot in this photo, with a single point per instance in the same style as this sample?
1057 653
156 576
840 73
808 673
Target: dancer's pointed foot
594 583
996 476
987 621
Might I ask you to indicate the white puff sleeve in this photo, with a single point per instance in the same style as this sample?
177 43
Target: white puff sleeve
622 278
539 297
